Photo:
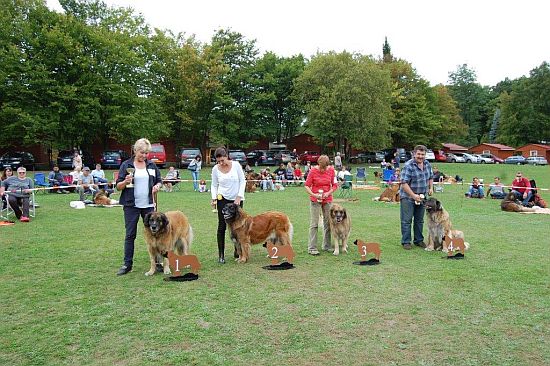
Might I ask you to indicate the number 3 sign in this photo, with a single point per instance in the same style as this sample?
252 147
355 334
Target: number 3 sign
364 249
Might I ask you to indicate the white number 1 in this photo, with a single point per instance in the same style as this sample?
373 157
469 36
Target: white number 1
177 265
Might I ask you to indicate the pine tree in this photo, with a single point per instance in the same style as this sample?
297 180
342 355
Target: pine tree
494 126
386 51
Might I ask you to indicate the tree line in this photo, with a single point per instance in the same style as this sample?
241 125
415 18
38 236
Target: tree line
96 72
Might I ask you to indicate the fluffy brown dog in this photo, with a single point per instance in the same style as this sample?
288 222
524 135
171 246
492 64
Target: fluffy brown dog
511 204
271 227
101 198
340 227
252 182
366 248
390 194
439 225
165 232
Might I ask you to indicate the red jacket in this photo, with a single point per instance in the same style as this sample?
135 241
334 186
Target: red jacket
521 185
317 180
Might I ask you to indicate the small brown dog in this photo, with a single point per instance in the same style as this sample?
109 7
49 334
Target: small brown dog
101 198
390 194
365 248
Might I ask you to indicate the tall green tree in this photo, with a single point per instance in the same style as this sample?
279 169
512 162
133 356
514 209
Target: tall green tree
347 100
473 103
526 110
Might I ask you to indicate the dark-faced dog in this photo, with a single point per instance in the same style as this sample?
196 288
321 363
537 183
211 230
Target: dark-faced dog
340 227
439 225
165 232
271 226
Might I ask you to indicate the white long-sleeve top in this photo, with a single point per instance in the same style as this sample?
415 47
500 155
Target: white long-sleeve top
229 185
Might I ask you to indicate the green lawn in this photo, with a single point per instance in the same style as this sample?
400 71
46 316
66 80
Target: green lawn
62 304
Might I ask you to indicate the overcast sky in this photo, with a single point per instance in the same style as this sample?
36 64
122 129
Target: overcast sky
497 39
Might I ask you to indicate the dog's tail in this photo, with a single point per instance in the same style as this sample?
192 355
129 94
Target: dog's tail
290 231
182 245
466 245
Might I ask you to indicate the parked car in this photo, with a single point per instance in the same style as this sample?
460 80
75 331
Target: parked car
430 156
440 156
310 156
495 158
485 159
468 158
389 154
15 159
271 158
256 157
283 155
238 155
65 159
516 159
187 154
157 155
113 158
452 158
367 157
536 160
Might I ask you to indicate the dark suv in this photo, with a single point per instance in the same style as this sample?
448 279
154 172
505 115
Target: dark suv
16 159
367 157
256 157
65 159
187 154
113 158
238 155
403 154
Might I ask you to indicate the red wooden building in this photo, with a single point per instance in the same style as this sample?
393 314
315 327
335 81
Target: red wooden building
499 150
535 150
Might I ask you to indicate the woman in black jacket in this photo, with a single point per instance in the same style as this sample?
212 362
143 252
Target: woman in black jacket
138 179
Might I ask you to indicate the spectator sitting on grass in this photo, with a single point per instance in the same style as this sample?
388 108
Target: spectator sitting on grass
86 185
496 190
476 189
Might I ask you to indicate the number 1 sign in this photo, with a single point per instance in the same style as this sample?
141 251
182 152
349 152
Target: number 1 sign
179 262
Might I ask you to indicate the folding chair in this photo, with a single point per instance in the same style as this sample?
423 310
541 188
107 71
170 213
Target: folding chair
361 175
40 181
7 211
176 185
346 188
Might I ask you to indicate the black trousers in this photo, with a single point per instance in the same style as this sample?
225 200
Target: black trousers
131 219
222 226
15 202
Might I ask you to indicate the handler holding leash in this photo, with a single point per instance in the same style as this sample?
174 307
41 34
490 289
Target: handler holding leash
228 185
416 179
137 198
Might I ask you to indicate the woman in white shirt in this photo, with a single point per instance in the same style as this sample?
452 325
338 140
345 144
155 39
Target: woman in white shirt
228 184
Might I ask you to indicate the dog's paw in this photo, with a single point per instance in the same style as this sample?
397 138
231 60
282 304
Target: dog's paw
428 249
167 271
345 250
336 252
150 273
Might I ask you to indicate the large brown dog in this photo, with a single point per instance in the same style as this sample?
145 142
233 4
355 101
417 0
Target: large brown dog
252 180
271 226
511 204
165 232
439 225
340 227
390 194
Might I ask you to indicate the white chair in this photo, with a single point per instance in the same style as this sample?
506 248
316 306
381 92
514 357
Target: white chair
7 211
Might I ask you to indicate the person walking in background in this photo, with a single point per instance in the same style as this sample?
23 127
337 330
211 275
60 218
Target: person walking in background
137 200
496 189
521 187
338 161
195 168
416 179
228 185
19 189
77 160
320 184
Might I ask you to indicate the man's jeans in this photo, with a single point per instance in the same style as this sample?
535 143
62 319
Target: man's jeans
410 210
519 196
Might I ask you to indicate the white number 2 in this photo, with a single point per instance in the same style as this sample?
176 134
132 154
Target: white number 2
275 250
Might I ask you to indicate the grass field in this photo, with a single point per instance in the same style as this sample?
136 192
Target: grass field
61 303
